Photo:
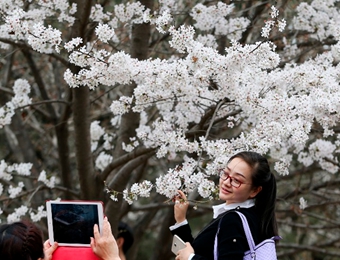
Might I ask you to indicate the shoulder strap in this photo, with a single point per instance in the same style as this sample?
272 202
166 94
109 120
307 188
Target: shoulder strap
216 236
246 230
216 240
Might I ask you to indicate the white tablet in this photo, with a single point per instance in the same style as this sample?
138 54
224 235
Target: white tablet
70 223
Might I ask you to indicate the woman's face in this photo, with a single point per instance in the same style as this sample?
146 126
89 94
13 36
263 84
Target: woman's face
239 171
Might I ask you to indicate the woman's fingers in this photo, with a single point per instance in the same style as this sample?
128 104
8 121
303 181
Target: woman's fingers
96 233
106 227
183 196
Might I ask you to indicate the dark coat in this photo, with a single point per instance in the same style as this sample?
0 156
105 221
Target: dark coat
232 241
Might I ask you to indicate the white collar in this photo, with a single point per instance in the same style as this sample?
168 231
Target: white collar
221 208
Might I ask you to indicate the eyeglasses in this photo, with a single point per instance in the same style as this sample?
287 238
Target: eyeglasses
234 182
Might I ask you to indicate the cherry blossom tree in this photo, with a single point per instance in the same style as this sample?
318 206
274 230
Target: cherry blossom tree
129 101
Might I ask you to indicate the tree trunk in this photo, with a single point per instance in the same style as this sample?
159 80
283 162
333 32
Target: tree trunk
89 186
140 36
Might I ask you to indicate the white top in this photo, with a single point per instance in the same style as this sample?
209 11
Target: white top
219 209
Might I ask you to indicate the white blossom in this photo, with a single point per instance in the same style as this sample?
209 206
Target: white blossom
105 33
113 197
43 39
4 174
275 12
281 25
162 21
17 214
141 189
49 182
281 168
131 10
96 131
38 214
303 203
268 25
98 14
21 89
108 139
129 197
181 38
122 106
206 188
73 43
23 169
15 191
103 160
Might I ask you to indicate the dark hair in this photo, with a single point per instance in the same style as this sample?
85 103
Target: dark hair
265 200
21 241
125 232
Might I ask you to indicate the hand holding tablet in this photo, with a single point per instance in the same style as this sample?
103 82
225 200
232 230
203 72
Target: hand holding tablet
104 245
71 223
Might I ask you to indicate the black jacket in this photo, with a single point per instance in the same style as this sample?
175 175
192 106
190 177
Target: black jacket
232 241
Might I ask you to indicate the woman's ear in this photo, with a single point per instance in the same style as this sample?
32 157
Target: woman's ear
255 191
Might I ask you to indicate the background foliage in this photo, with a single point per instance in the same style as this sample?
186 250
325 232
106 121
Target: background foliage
160 102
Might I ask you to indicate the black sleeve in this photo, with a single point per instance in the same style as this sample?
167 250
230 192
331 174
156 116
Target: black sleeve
184 232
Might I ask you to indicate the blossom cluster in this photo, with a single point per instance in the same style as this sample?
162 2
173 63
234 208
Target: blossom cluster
214 17
240 75
318 17
270 24
6 170
20 99
28 25
271 109
49 182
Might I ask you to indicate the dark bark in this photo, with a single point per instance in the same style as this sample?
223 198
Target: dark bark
89 184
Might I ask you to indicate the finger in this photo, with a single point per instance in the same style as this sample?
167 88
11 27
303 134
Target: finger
92 242
47 244
106 228
182 195
96 231
55 245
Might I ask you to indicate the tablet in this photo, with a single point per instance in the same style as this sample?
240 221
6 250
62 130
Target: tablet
177 244
70 223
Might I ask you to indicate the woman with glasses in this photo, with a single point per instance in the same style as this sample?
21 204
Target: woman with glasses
246 184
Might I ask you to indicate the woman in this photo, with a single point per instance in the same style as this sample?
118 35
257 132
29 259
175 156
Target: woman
23 241
246 185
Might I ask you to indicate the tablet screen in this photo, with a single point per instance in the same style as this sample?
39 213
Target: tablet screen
71 223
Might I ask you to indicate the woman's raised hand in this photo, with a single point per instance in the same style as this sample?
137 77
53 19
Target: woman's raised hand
181 206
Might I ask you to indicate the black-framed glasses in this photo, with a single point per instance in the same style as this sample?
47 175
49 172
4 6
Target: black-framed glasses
233 182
